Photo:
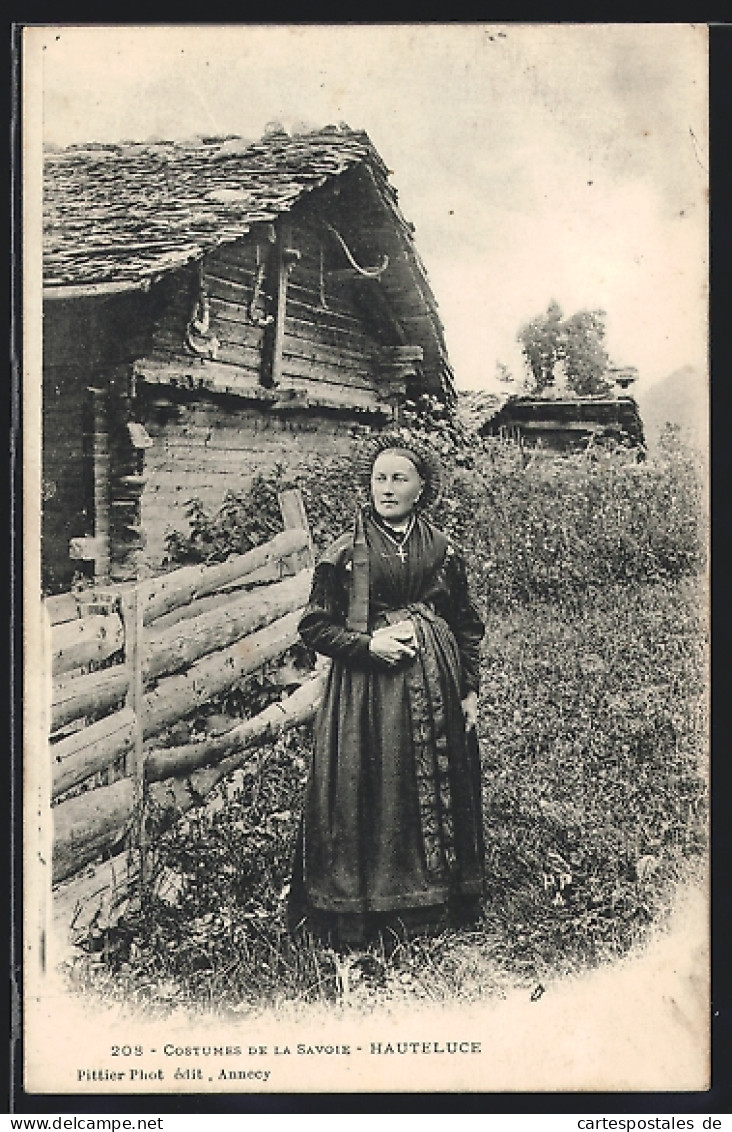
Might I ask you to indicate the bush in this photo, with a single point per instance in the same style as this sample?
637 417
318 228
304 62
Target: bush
244 520
549 527
562 526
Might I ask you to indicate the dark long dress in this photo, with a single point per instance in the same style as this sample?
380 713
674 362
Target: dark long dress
391 835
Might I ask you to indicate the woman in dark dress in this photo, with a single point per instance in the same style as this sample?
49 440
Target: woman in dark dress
391 840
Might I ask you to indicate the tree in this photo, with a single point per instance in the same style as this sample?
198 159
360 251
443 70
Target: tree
586 359
539 340
577 341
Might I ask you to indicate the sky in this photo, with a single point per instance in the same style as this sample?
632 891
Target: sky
536 161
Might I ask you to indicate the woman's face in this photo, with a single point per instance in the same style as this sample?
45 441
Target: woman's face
395 486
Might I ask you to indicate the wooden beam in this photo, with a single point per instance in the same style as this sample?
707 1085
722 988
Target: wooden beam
297 708
370 294
272 355
170 591
177 696
84 640
133 604
92 749
173 649
87 549
195 374
62 607
77 696
89 290
90 824
401 354
294 517
263 576
100 457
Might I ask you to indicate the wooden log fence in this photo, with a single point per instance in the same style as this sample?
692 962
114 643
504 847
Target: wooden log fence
102 819
295 709
92 748
161 595
79 694
178 641
178 646
89 639
181 586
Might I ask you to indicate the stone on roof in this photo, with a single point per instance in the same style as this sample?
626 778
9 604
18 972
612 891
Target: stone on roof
118 212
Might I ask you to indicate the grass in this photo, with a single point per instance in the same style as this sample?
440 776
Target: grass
593 731
593 737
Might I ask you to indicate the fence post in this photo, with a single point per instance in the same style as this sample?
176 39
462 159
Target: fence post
133 603
294 517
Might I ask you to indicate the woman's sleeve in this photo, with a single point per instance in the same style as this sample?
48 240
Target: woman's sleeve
323 624
465 622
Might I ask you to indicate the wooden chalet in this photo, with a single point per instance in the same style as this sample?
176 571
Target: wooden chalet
212 309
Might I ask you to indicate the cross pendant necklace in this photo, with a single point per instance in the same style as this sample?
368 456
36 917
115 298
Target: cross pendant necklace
400 543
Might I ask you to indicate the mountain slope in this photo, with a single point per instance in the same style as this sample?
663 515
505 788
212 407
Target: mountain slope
680 399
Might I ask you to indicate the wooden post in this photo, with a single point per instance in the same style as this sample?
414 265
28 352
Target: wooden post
132 615
284 258
101 485
295 517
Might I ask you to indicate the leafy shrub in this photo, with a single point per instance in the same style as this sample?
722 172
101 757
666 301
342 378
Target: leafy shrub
550 527
562 526
244 520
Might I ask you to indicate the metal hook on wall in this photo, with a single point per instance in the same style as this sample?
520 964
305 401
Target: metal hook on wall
198 336
367 272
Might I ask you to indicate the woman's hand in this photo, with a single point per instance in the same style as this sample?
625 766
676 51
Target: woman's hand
470 711
393 643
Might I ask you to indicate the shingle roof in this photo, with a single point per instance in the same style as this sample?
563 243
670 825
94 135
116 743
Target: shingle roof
122 212
126 213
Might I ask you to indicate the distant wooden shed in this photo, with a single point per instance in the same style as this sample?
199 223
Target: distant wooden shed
569 424
211 309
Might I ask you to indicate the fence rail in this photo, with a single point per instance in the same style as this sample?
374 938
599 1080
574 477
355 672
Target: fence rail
169 645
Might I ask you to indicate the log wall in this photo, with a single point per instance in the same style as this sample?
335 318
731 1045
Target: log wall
204 397
68 475
210 446
328 340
